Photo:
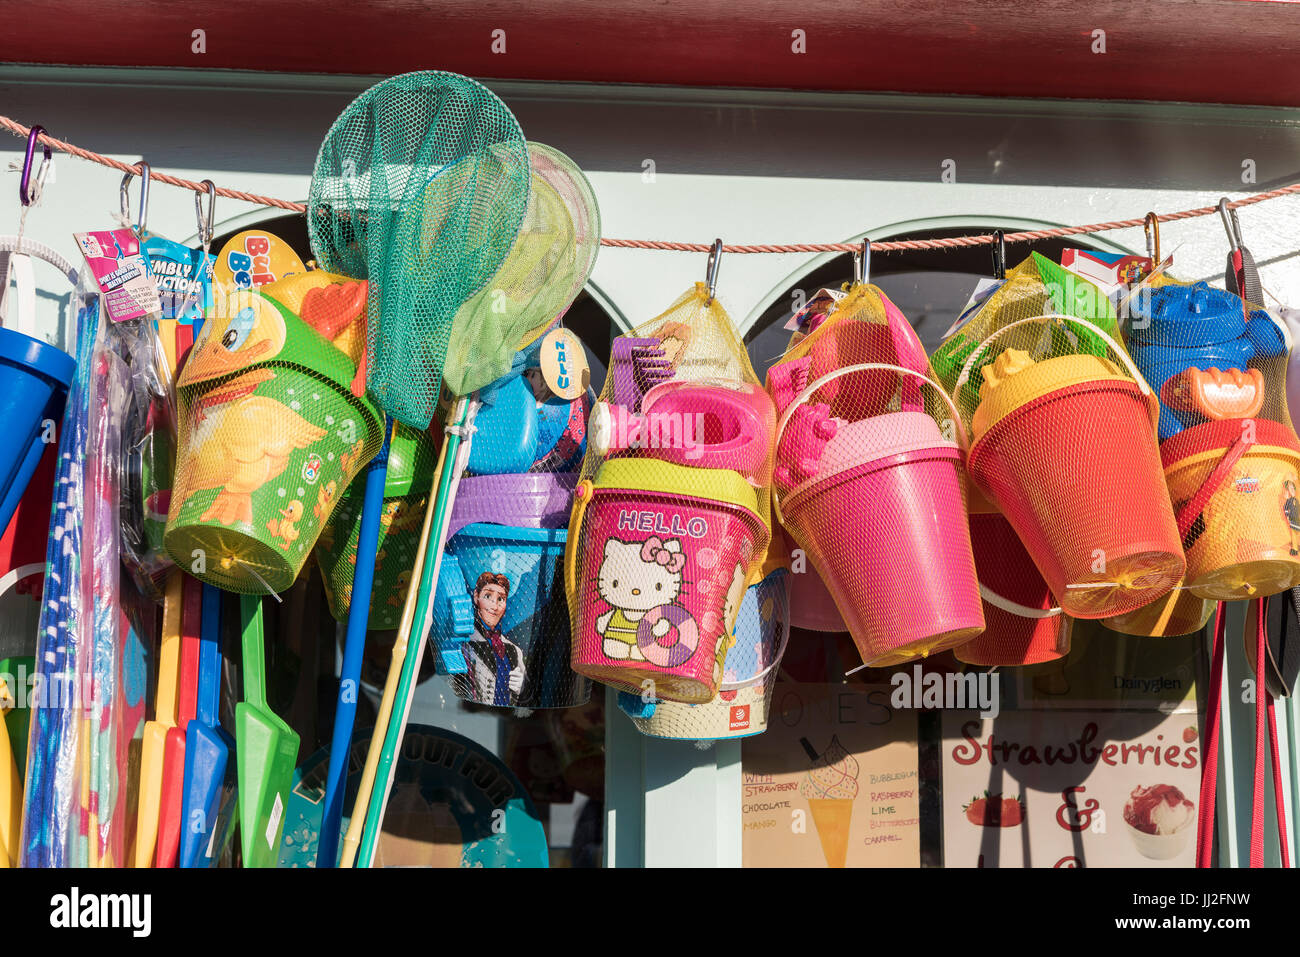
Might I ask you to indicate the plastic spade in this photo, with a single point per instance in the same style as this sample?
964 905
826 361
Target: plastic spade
11 784
155 732
172 801
266 750
207 747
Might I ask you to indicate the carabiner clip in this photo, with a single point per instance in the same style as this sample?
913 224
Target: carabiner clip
206 221
711 270
862 263
27 193
1151 227
145 172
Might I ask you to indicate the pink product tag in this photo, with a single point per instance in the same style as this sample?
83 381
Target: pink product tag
122 273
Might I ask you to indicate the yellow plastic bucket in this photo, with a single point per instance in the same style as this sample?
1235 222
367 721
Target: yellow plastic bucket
1240 519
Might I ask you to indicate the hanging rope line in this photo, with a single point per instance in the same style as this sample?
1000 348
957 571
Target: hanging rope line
952 242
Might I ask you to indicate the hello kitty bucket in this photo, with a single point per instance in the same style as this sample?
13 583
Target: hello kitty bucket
656 576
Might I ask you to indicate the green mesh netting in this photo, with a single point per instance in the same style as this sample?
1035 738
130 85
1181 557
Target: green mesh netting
547 267
420 188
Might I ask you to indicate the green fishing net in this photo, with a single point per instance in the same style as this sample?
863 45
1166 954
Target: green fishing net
420 187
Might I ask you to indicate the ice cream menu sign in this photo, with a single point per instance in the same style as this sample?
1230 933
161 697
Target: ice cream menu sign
1070 789
832 782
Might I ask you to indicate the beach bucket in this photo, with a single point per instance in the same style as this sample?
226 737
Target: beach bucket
267 422
34 378
406 489
501 595
748 679
879 507
811 606
658 575
1065 448
1178 613
1234 487
1022 623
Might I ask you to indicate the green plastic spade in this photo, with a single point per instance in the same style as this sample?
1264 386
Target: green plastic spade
266 750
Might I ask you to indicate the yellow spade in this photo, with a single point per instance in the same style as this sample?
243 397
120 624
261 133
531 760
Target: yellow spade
11 792
155 731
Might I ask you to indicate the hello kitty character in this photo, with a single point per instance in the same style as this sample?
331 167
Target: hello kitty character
635 577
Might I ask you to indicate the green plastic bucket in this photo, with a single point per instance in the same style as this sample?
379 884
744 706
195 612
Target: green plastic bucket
270 433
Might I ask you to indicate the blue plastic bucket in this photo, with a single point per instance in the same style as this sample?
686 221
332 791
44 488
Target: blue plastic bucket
34 379
535 620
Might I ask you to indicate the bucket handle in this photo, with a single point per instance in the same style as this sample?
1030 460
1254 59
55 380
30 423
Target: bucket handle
754 679
1115 347
583 493
816 384
1015 608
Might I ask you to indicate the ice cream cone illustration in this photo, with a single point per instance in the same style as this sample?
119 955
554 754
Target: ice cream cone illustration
830 787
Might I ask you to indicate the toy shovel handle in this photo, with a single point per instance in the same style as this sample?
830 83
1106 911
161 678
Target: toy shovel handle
209 658
254 649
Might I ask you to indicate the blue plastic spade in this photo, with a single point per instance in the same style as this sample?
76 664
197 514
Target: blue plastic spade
209 773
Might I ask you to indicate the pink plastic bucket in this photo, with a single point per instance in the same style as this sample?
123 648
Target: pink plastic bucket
890 537
657 576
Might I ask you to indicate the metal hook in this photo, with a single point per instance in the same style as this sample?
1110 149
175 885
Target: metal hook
1230 224
862 263
711 271
1151 226
145 172
26 193
999 255
205 222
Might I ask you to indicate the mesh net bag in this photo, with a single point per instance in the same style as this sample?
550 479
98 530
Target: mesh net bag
501 620
1062 430
551 259
269 431
420 187
671 519
870 479
752 658
1229 452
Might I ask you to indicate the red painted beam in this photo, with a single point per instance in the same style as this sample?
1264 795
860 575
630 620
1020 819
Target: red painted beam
1218 51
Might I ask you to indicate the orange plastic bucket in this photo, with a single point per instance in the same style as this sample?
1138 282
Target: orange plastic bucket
1065 447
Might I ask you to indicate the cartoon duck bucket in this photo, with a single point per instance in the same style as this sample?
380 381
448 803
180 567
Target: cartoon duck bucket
268 421
410 476
658 575
1230 455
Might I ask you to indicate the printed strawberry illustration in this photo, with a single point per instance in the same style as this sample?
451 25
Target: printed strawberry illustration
993 810
1189 734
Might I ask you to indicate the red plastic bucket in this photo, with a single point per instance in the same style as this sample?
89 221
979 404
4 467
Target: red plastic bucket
1022 624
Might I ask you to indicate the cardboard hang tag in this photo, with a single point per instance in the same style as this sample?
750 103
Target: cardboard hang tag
564 364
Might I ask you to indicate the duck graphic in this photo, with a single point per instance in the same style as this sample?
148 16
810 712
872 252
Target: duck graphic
239 440
323 499
286 528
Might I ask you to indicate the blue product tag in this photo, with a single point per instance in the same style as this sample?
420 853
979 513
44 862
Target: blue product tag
183 277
